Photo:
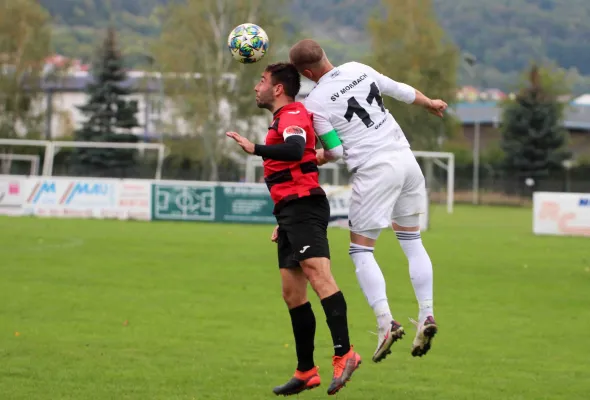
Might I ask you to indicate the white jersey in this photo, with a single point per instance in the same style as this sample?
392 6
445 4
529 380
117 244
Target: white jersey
348 100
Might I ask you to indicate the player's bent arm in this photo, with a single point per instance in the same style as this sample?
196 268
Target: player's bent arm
325 131
422 100
334 154
398 90
332 145
402 92
291 150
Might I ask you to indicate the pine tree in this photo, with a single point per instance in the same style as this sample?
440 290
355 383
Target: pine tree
533 137
110 117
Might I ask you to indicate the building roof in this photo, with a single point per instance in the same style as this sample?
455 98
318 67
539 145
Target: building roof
577 116
144 82
79 81
583 100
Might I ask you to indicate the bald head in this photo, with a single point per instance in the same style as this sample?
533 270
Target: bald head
306 53
310 60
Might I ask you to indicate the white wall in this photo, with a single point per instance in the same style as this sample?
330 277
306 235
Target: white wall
67 117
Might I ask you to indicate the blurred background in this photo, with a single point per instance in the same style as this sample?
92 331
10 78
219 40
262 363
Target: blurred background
515 73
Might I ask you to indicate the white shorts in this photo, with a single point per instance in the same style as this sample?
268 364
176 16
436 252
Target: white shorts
383 189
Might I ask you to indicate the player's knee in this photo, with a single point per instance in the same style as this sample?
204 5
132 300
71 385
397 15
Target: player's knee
366 238
409 223
319 275
294 296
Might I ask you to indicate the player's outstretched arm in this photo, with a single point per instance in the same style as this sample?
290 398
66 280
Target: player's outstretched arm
406 93
436 106
291 150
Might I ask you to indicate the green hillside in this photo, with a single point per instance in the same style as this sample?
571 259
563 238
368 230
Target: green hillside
505 35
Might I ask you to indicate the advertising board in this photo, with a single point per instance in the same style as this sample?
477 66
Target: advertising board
13 191
561 214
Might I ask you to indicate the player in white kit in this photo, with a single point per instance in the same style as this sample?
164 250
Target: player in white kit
388 186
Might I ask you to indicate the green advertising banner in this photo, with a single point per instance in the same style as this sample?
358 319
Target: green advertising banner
225 202
183 202
250 203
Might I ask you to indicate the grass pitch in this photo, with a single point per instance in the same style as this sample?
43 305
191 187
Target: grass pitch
131 310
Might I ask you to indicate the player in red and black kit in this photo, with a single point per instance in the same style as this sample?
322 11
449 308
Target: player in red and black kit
302 212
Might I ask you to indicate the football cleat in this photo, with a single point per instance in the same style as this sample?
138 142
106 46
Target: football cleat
425 332
387 337
299 382
343 368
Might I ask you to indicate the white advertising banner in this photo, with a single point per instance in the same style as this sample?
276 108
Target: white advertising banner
68 197
134 200
88 198
566 214
13 192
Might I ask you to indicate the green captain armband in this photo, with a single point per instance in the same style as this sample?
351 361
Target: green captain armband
330 140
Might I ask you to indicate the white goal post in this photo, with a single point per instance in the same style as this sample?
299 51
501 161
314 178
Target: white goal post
444 160
51 146
31 158
437 157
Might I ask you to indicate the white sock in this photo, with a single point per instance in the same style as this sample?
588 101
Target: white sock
372 282
420 271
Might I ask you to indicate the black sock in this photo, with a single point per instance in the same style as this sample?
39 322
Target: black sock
335 309
303 322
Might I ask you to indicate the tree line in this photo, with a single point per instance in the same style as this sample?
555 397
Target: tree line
208 104
503 35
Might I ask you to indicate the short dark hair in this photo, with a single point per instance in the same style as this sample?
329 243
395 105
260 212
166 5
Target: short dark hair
286 74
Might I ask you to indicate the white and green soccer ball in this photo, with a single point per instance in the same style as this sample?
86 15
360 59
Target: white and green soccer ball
248 43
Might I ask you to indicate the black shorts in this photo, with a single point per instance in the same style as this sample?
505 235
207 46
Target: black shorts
303 230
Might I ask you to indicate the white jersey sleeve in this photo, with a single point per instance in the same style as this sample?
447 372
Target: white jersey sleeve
398 90
323 128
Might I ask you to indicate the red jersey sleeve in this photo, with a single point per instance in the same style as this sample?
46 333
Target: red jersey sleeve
292 120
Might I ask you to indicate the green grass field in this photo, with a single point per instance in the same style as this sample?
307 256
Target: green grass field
132 310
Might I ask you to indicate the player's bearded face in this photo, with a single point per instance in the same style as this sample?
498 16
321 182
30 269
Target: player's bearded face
265 92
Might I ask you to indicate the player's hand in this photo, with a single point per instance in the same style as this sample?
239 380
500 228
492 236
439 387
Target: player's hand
275 234
320 157
244 143
436 107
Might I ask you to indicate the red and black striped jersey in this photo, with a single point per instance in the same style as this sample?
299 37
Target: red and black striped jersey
289 180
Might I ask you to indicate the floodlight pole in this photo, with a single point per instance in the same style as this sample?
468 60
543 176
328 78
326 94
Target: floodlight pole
451 183
476 139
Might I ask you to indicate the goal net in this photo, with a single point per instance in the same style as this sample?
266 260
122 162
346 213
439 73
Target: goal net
438 169
87 159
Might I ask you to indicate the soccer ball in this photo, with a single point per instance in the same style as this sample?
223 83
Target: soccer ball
247 43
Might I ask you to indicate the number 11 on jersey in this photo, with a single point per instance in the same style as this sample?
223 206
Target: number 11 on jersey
354 108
